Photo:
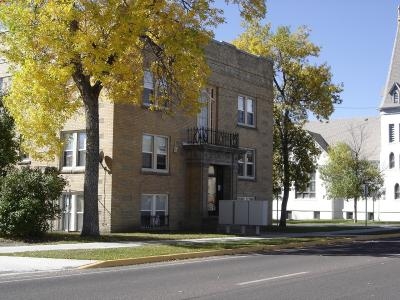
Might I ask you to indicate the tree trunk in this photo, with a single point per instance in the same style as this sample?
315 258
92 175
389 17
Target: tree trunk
285 198
355 210
286 172
90 95
90 194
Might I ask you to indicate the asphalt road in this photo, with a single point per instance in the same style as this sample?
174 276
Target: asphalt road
363 270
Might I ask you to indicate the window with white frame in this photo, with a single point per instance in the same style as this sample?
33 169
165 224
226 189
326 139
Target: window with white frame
74 153
391 133
246 164
71 218
155 153
154 210
5 83
152 89
246 111
310 189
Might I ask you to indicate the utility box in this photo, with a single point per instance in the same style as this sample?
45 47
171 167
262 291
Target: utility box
226 212
241 208
243 212
258 213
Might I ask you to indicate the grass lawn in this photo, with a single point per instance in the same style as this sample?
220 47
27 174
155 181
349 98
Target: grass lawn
73 237
179 247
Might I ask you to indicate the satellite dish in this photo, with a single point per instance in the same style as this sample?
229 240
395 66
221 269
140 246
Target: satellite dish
108 161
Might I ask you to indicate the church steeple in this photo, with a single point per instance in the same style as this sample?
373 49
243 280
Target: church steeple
390 97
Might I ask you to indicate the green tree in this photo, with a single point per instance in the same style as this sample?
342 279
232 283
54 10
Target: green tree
9 143
301 88
66 54
28 201
346 173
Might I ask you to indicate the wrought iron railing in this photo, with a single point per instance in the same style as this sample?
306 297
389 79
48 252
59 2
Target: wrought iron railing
157 221
204 135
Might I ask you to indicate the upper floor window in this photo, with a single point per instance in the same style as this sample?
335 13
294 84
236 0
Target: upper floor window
247 164
391 160
396 191
154 153
310 189
152 89
246 111
5 83
74 154
391 133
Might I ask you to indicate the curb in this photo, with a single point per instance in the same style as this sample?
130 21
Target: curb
203 254
246 250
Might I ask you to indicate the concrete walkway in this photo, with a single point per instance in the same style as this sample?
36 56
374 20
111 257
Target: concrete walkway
12 265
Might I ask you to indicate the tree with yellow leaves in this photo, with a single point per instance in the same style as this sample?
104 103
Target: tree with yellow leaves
300 88
64 54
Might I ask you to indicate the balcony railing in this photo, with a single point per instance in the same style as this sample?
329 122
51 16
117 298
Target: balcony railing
204 135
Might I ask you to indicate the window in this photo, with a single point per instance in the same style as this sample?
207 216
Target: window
152 89
395 96
317 215
391 133
155 153
246 111
5 83
391 160
349 215
370 216
247 198
74 153
246 164
309 192
396 191
154 210
71 206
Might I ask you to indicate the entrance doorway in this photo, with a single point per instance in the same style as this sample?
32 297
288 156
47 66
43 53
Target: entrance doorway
215 189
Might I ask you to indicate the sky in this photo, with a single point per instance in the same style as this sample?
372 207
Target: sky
356 39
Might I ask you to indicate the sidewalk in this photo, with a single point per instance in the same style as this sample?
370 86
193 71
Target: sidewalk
11 265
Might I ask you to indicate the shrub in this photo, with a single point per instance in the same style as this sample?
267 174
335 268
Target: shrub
28 201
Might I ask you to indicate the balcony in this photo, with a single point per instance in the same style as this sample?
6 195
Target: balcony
208 136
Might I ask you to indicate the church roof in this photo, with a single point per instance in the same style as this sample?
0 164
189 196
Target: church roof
393 78
363 132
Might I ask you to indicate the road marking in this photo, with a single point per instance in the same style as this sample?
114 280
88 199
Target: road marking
271 278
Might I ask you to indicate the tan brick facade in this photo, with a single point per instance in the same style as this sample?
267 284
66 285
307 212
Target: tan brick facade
186 181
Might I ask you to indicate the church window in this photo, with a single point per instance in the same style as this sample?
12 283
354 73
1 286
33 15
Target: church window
391 160
396 96
396 191
391 133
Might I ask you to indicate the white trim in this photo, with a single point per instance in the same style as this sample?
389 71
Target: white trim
245 110
246 163
154 154
75 151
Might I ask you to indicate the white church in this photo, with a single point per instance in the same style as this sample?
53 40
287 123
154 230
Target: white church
379 140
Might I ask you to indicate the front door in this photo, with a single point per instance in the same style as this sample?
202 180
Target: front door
215 189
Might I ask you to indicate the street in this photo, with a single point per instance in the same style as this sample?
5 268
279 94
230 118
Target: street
362 270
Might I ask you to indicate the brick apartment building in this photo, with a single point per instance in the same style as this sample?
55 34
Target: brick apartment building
170 171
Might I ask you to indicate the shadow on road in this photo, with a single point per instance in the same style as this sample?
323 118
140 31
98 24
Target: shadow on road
378 248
